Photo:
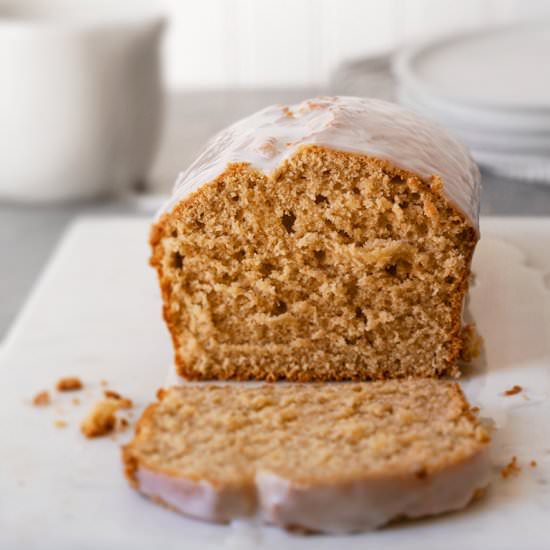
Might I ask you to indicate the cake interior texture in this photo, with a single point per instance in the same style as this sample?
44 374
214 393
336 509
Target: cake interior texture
338 266
308 435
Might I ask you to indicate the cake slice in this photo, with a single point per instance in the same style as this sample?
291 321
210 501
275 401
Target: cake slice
329 458
329 240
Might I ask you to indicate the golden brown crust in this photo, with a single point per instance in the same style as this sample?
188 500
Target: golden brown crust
129 459
130 464
160 229
472 343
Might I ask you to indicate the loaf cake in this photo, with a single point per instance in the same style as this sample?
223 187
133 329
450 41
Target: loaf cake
329 240
318 457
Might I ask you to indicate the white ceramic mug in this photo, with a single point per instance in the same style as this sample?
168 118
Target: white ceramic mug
80 98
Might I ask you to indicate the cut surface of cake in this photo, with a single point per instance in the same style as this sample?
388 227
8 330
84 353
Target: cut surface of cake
329 240
330 458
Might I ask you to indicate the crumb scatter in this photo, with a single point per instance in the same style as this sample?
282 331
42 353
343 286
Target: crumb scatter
101 420
124 402
513 390
69 383
472 343
511 469
41 399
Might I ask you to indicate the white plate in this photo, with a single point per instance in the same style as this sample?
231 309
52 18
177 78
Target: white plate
96 314
532 128
521 155
527 168
513 144
505 69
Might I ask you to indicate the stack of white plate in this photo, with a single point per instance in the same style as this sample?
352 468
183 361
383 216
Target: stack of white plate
490 88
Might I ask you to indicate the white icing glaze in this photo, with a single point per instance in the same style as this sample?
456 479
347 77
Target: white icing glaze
336 508
369 126
198 499
367 504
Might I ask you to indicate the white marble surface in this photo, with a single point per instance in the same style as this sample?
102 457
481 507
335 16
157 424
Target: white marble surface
96 314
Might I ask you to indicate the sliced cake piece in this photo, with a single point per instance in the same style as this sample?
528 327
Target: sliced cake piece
329 240
332 458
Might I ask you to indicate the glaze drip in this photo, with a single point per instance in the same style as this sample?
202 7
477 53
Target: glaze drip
368 126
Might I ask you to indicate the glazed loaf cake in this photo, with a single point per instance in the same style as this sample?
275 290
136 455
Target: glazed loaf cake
332 458
329 240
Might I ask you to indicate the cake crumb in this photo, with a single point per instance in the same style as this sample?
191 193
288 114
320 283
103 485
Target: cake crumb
103 383
472 343
41 399
161 392
511 469
75 401
475 410
514 390
101 420
60 423
533 463
69 383
125 403
482 435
